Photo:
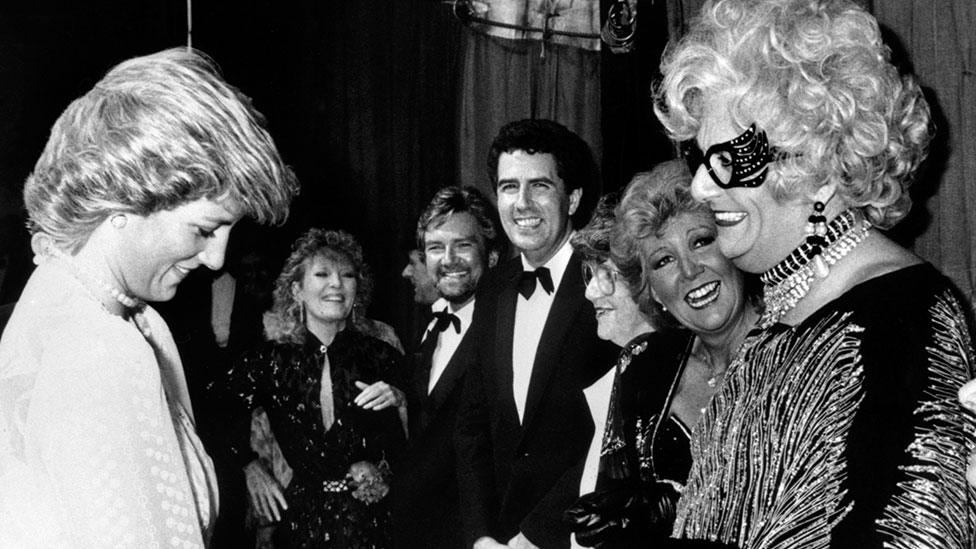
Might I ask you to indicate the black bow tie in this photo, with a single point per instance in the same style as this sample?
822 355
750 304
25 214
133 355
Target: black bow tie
526 283
445 319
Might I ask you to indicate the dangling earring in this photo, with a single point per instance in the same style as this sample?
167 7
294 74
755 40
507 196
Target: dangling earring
304 315
816 231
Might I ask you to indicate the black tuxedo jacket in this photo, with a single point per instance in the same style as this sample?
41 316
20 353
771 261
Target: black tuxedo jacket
425 490
509 474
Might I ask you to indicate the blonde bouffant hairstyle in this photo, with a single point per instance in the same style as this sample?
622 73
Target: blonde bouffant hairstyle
651 200
815 75
156 132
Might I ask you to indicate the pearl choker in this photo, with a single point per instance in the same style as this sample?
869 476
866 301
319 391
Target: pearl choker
789 281
132 305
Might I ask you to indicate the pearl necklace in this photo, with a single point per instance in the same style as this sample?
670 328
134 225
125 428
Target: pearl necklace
135 307
789 282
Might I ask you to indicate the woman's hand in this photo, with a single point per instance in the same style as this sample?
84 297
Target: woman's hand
266 495
379 396
519 541
488 543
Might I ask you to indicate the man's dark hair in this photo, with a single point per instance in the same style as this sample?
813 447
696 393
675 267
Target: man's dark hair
454 200
575 164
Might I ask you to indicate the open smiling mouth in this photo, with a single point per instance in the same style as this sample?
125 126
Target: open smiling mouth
528 222
728 219
703 295
454 275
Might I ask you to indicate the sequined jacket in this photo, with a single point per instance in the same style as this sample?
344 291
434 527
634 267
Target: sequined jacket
843 431
285 379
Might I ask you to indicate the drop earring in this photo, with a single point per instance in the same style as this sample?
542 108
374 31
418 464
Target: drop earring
816 231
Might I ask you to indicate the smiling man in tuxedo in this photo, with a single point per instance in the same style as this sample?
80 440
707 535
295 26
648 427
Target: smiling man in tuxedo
523 421
459 240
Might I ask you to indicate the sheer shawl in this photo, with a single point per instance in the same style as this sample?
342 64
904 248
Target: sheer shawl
89 453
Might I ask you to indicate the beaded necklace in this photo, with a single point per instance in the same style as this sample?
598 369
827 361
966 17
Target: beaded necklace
134 307
788 282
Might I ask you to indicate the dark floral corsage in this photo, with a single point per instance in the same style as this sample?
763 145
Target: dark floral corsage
369 482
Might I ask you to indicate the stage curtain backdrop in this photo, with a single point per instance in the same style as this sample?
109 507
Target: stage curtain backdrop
506 79
938 40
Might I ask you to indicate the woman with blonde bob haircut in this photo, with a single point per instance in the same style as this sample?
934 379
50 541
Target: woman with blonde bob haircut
140 183
838 424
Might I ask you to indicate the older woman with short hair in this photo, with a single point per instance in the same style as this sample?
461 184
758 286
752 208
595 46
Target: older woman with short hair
140 183
838 424
653 260
325 387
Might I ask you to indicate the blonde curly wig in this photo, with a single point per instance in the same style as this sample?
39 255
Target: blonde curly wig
815 75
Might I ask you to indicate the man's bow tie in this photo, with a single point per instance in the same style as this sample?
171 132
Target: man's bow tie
445 319
526 283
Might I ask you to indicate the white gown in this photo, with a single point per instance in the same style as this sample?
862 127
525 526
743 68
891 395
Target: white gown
92 453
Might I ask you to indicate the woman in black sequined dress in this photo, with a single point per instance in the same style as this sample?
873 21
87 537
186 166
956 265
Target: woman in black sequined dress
341 440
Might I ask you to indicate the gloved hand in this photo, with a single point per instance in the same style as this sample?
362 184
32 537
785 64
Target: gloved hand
623 512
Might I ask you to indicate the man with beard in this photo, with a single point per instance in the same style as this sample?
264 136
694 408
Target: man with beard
523 423
459 240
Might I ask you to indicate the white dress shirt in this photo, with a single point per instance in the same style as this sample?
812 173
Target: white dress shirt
449 338
598 400
530 320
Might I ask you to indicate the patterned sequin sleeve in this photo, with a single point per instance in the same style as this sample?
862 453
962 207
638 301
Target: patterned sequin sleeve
246 388
843 431
909 440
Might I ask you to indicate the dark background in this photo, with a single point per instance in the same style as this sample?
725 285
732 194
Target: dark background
361 97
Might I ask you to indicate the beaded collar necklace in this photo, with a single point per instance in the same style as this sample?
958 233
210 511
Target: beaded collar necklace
92 283
788 282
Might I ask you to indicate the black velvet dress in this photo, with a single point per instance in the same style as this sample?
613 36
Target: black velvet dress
658 439
285 379
643 442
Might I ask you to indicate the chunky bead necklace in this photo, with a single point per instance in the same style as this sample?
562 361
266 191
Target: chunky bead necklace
134 307
789 281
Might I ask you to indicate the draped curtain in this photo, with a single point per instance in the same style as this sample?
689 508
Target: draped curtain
505 79
939 46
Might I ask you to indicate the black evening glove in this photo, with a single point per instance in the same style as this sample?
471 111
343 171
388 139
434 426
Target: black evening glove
622 513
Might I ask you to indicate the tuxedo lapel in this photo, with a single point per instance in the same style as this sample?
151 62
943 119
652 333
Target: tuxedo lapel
565 308
421 374
504 333
452 373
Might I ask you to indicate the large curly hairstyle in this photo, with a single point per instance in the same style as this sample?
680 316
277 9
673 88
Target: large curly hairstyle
650 201
157 131
815 75
284 323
